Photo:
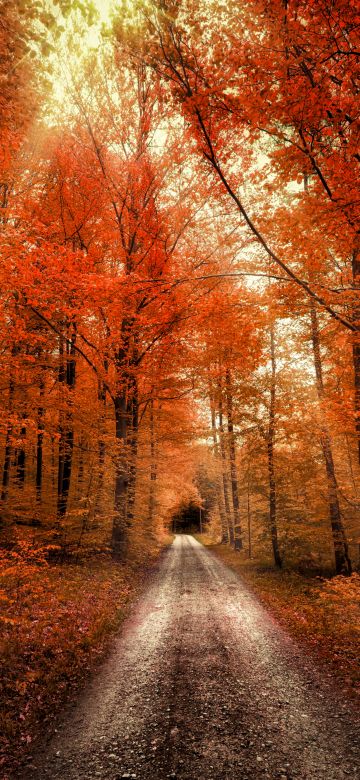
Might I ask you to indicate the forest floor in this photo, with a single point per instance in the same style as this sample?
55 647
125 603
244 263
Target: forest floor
57 624
203 683
322 613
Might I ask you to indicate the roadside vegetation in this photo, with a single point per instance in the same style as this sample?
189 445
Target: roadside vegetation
58 621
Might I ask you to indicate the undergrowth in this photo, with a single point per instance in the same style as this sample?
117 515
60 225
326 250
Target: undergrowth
56 623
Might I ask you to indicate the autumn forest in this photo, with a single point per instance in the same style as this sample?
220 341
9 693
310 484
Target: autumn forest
180 320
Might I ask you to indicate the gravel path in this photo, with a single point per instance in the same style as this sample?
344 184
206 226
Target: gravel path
203 684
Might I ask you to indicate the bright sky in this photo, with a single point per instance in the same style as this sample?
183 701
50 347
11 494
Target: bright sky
90 39
104 7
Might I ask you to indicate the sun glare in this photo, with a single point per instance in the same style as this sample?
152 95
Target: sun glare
73 45
105 7
92 35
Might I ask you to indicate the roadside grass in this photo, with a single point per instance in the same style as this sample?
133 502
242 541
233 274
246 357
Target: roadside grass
322 613
57 622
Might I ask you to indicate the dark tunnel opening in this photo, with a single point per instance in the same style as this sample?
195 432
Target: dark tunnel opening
190 519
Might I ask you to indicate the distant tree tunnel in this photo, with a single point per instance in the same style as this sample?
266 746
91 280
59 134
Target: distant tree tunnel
189 519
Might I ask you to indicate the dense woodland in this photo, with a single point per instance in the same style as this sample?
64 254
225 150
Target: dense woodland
180 312
179 277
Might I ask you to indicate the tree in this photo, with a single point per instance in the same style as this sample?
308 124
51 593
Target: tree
213 76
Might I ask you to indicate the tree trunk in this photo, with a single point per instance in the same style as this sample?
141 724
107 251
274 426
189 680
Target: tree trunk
249 515
225 482
67 378
119 528
8 439
39 441
61 378
224 520
7 464
238 544
270 453
341 551
153 468
101 449
132 442
80 474
122 401
356 344
21 458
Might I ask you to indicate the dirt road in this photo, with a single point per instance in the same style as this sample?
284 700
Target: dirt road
203 684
